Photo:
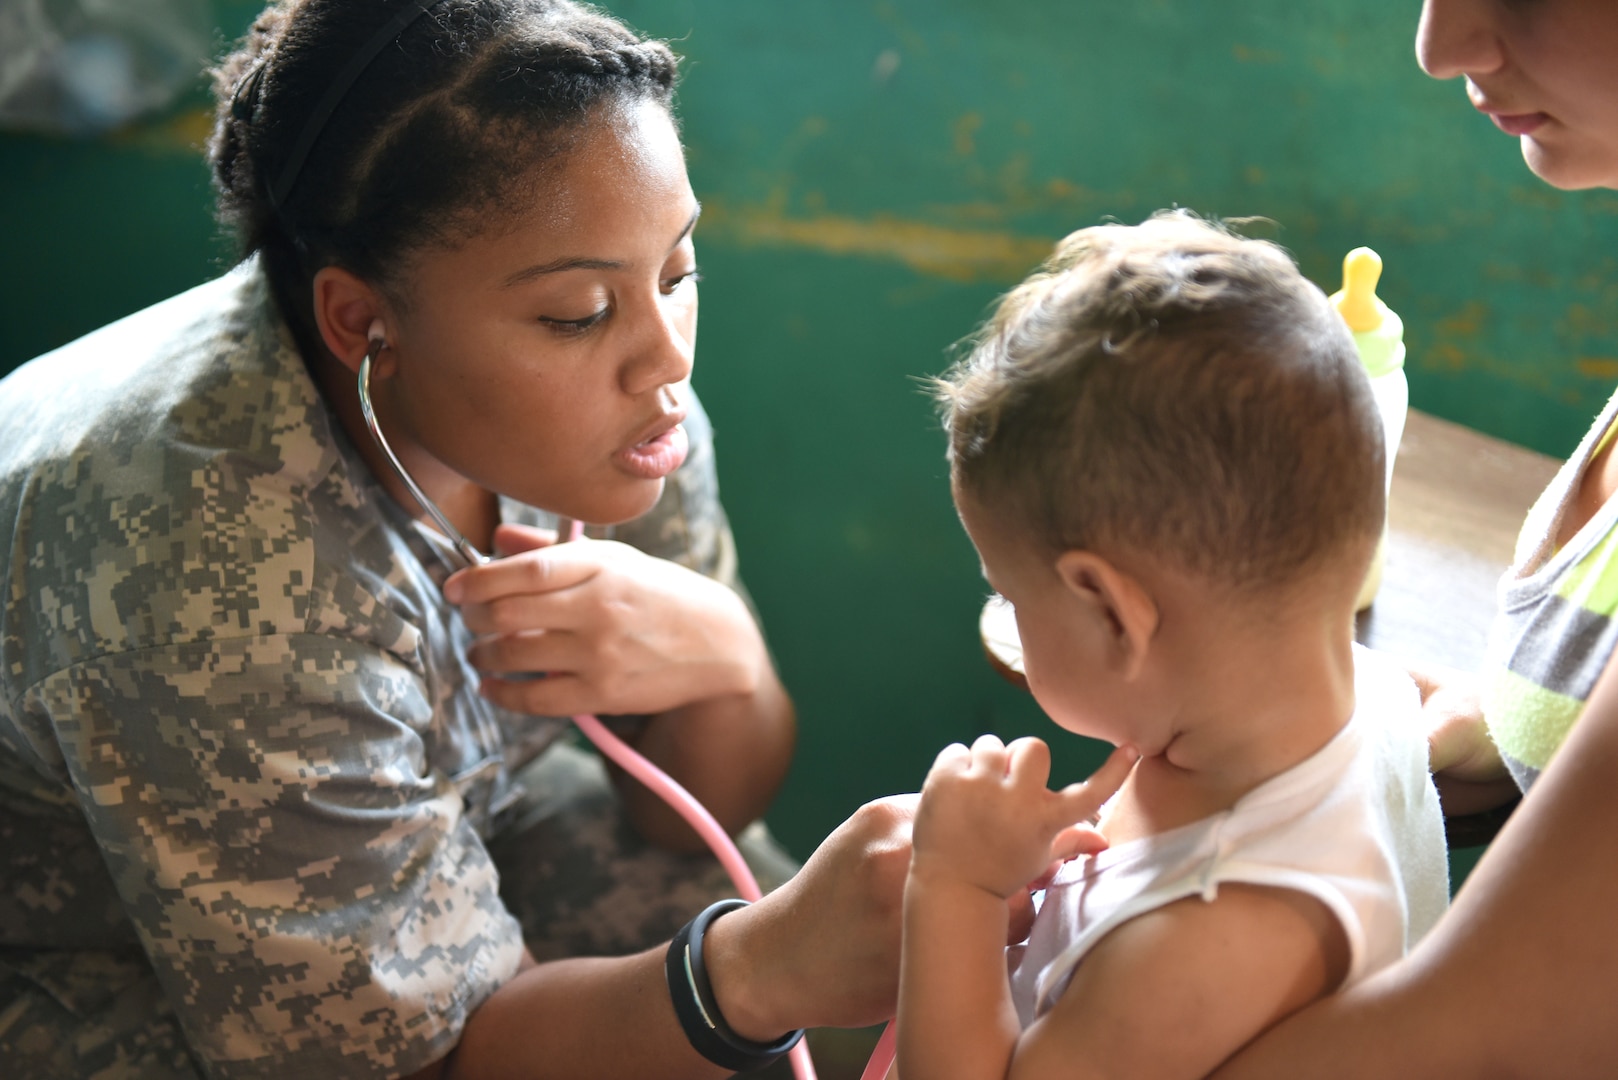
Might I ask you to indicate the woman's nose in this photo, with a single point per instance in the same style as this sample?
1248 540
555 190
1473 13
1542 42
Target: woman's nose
663 352
1458 37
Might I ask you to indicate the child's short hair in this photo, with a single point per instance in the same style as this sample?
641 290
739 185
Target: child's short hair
1175 388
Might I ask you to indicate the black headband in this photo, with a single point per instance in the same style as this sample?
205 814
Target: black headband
409 12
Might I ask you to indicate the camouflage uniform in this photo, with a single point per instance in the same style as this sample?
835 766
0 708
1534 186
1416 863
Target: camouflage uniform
254 818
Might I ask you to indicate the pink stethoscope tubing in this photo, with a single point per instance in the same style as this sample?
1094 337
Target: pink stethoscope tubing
719 842
695 814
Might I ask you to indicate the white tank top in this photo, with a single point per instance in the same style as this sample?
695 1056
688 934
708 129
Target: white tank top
1356 825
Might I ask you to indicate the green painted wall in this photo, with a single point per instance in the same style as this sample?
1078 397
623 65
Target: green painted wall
874 173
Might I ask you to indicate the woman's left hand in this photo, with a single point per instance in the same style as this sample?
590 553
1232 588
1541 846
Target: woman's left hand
616 631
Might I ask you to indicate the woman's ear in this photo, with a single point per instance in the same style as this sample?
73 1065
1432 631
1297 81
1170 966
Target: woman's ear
349 313
1117 600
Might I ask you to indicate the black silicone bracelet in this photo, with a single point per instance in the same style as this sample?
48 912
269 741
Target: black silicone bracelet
698 1012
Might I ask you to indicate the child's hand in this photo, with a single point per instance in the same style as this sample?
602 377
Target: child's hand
987 819
1466 765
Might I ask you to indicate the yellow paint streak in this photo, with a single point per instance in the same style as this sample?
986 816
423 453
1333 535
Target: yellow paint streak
964 129
1533 196
908 37
1444 357
1587 322
1246 55
1467 322
954 254
1604 368
188 130
1020 195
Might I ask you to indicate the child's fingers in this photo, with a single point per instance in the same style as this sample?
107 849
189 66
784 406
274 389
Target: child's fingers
953 758
1076 840
1045 877
1030 762
989 754
1080 801
1020 916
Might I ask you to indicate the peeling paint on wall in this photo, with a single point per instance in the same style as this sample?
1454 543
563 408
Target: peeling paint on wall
953 254
184 132
1604 368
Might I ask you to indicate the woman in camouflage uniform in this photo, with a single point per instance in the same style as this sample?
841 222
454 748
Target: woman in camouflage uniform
267 806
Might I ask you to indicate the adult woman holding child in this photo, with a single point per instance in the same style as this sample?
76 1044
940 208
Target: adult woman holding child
268 805
1517 979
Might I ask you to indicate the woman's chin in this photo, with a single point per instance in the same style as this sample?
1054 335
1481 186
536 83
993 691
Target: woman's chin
1570 172
618 507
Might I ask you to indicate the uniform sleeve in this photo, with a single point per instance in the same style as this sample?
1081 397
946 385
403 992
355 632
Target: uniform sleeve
309 891
688 524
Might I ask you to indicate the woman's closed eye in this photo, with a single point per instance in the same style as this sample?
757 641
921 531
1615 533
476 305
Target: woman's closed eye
690 277
576 326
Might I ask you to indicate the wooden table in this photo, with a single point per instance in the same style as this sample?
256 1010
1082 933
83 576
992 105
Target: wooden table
1457 501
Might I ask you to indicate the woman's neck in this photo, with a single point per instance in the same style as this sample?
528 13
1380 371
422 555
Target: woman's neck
473 510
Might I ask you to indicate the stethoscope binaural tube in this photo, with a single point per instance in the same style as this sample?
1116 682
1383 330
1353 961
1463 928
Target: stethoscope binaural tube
472 555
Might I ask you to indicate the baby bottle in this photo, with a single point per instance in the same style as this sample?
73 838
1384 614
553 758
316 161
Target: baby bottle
1379 336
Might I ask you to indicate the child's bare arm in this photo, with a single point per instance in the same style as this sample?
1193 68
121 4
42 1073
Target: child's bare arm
1174 992
955 1014
985 828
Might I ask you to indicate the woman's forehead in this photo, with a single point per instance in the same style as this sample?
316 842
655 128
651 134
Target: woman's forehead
624 173
617 197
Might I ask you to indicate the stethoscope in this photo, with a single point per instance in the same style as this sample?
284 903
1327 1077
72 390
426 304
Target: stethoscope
626 757
377 341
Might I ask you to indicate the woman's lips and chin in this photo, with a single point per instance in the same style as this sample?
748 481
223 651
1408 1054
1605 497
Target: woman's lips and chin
655 458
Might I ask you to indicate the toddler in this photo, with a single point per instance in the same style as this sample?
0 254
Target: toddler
1167 454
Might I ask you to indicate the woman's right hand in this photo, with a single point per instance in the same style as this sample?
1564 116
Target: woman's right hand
1464 761
823 949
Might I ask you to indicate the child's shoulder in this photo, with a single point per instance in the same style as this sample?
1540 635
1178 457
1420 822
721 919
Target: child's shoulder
1383 689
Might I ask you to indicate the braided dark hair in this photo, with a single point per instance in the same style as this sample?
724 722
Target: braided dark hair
472 99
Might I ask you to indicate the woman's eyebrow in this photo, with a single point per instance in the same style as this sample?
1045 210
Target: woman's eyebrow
690 224
556 266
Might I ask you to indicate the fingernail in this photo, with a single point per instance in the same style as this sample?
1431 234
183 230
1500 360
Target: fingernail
454 589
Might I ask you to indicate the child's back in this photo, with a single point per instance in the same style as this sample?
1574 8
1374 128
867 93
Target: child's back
1169 459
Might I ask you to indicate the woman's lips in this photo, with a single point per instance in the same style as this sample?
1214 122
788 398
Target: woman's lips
1518 123
657 456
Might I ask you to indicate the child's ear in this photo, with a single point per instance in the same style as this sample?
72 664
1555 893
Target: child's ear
1118 600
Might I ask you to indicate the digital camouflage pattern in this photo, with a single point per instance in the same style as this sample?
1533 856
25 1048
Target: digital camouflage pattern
254 818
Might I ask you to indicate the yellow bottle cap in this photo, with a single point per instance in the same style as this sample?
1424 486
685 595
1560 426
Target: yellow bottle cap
1378 332
1362 268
